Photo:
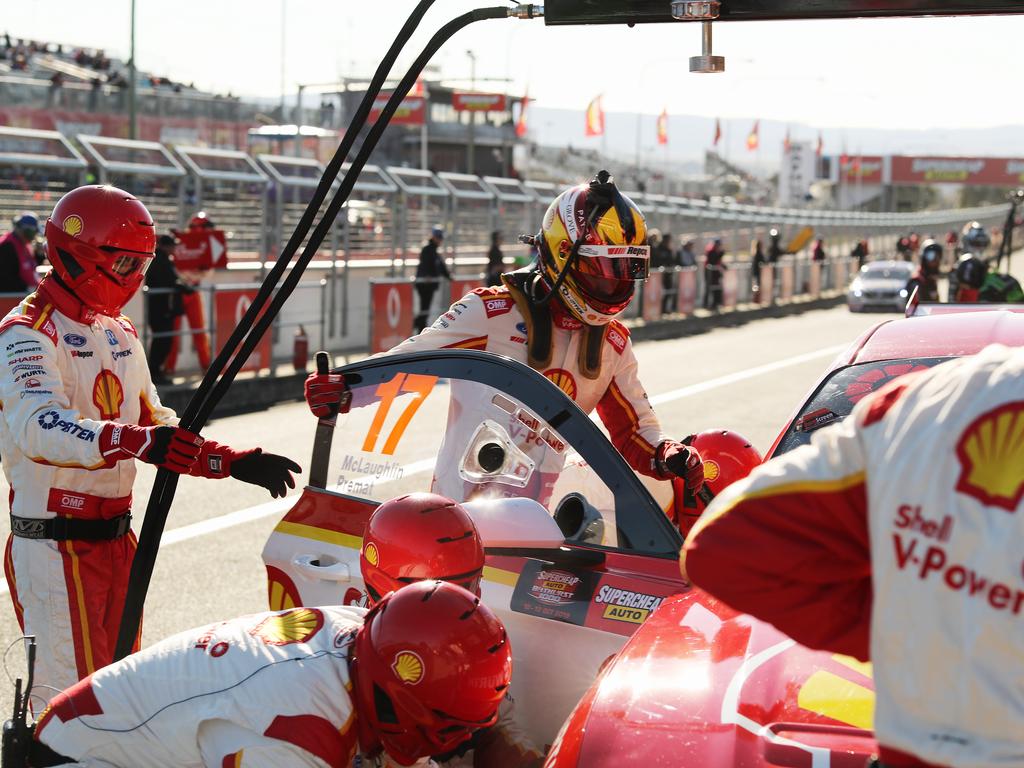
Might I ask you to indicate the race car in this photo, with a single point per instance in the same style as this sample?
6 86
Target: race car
701 685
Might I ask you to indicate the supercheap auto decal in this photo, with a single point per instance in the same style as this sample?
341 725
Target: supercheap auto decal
625 604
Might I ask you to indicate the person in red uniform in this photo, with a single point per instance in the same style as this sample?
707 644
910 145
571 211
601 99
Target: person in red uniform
17 259
895 537
926 277
78 409
192 304
560 317
426 667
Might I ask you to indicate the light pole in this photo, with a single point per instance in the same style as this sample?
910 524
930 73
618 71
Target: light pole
132 118
471 144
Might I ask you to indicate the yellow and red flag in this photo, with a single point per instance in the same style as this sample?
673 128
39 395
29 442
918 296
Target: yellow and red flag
663 127
821 145
787 143
594 118
718 133
521 122
754 137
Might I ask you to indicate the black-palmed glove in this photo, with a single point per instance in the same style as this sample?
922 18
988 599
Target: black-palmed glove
675 459
268 470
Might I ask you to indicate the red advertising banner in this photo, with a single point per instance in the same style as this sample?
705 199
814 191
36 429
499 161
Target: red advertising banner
652 298
767 285
479 102
201 249
861 170
786 277
229 306
391 320
814 281
687 291
460 286
986 171
412 110
730 288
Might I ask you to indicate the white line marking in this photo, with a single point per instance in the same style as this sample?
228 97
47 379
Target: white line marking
242 516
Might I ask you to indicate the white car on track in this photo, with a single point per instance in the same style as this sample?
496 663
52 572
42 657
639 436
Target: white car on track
880 285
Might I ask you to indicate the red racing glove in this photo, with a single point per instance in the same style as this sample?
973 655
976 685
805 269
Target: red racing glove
266 470
172 448
674 458
327 394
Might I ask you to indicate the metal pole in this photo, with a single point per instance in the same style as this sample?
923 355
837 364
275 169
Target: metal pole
132 116
284 21
471 145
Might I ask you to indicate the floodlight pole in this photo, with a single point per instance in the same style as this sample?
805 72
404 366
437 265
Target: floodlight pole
132 116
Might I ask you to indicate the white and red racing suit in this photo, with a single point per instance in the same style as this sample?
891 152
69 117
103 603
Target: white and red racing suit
895 536
489 319
66 373
262 691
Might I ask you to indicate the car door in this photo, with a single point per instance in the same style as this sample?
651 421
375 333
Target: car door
488 431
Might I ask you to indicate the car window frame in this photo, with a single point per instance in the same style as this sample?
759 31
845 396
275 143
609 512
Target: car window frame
638 516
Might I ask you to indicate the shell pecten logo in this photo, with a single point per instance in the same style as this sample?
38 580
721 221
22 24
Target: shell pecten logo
371 554
711 470
108 394
408 667
295 626
73 225
991 455
563 380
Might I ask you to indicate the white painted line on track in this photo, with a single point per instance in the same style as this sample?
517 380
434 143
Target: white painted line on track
277 506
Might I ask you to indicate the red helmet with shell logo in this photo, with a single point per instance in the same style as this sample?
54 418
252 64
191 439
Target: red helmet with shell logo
420 536
727 456
431 665
100 241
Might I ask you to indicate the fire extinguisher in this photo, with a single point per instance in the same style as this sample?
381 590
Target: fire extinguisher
300 351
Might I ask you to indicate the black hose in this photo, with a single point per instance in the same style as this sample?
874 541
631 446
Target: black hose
166 482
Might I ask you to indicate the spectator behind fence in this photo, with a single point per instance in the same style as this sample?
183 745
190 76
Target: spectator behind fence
860 252
714 253
495 260
429 271
17 256
818 252
664 256
687 256
163 304
757 260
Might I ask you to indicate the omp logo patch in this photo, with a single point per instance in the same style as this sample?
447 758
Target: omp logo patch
616 338
626 605
991 455
295 626
497 306
71 501
408 667
73 225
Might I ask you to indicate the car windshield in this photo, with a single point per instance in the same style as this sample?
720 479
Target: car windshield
837 395
886 272
419 427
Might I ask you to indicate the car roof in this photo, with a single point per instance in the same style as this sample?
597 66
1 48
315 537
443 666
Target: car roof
873 266
940 335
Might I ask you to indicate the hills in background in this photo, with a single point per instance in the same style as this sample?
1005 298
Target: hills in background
691 136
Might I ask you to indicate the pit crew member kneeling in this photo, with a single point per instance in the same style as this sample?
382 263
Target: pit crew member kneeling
560 317
304 687
78 409
895 536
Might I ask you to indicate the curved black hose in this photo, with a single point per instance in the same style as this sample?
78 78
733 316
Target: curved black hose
322 229
166 482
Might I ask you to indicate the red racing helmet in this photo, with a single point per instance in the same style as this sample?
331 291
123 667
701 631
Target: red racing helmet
100 241
201 221
420 536
727 456
431 665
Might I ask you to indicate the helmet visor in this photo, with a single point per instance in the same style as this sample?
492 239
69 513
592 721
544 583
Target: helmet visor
614 262
127 265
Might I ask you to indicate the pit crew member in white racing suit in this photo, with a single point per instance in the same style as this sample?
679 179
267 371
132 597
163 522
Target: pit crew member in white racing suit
895 536
559 318
78 408
423 536
302 687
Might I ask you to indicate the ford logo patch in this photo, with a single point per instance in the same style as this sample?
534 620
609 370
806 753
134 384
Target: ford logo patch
74 339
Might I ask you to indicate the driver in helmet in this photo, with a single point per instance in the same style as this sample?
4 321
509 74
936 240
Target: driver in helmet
976 283
79 408
423 536
925 277
560 316
415 676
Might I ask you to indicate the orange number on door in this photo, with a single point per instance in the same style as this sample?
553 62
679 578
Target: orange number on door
420 385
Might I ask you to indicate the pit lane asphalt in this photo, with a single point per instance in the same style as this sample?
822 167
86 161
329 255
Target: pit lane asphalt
748 378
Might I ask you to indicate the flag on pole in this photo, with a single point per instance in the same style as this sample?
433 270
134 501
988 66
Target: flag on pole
663 127
521 122
821 145
718 132
754 137
594 118
787 144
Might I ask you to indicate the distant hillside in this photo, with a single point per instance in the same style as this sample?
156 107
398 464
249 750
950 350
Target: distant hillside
690 136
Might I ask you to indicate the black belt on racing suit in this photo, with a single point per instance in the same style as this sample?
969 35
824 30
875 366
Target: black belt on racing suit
80 517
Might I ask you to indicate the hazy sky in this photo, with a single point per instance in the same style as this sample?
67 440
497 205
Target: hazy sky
915 73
